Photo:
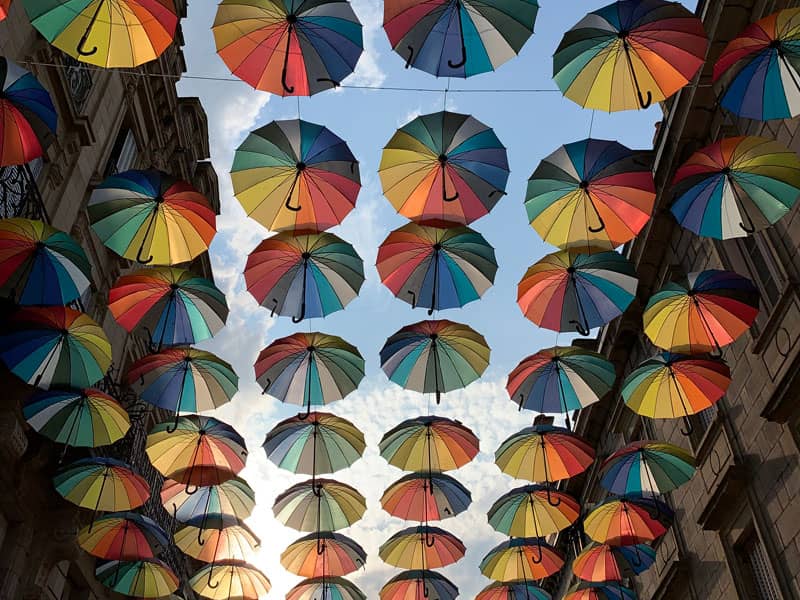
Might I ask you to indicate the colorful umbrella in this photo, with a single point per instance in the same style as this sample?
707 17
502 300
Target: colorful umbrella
601 562
425 497
314 444
229 580
150 217
309 369
304 276
735 187
4 6
444 167
233 497
323 553
319 505
513 590
762 65
570 291
123 536
591 194
435 356
701 313
436 268
325 588
646 466
27 116
544 453
458 38
600 591
422 547
173 305
40 264
533 511
629 54
418 584
295 175
522 558
288 48
211 537
429 444
149 578
55 346
628 520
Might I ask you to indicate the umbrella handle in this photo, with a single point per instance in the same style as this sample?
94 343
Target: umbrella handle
320 547
642 102
425 591
521 401
266 387
140 259
430 540
447 198
580 328
81 48
172 428
333 82
410 58
286 87
493 192
749 227
689 427
463 59
210 571
538 560
550 498
288 205
302 314
413 298
200 539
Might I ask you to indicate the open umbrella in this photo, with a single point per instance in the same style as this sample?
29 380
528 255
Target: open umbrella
629 54
173 305
600 591
288 47
27 116
309 369
422 547
736 186
320 505
40 264
426 497
229 579
123 536
435 356
212 537
647 467
323 553
431 444
533 511
419 584
601 562
4 6
591 194
146 578
526 559
304 276
55 346
325 588
436 268
570 291
233 497
628 520
513 590
444 167
295 175
458 38
151 217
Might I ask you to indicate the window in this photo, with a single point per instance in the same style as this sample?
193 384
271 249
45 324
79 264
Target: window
700 424
761 270
124 154
756 573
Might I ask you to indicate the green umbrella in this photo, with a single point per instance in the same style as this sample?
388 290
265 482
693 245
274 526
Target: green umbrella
321 505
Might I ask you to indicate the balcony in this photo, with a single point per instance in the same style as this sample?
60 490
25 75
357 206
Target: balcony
19 193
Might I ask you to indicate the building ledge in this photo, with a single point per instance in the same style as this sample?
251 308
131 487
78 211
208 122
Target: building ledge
729 487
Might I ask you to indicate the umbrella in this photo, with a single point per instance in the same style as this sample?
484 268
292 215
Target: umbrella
431 444
525 559
513 590
458 38
147 578
735 187
309 369
601 562
444 167
647 466
123 536
435 356
211 537
591 194
628 520
629 54
295 175
27 116
425 497
323 553
544 453
436 268
570 291
305 275
173 305
150 217
422 547
314 444
233 497
106 33
325 588
533 511
40 264
701 313
319 505
417 585
229 580
761 66
4 6
560 380
55 346
600 591
288 48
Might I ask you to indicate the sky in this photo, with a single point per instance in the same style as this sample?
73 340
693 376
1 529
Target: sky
531 126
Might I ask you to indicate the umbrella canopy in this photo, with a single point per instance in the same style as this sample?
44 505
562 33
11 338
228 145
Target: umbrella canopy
522 558
230 580
444 167
570 291
533 511
40 264
319 505
513 590
173 305
600 591
436 268
429 444
422 547
762 66
325 588
314 444
27 116
151 217
736 186
647 466
288 48
629 54
101 484
148 578
426 497
323 553
305 275
295 175
4 6
591 194
309 369
419 584
701 313
212 537
601 562
55 346
233 497
628 520
544 453
123 536
435 356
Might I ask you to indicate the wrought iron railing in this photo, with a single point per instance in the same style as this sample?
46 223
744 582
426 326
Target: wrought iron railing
19 194
79 81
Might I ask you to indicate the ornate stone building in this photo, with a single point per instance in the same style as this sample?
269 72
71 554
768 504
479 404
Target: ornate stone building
109 121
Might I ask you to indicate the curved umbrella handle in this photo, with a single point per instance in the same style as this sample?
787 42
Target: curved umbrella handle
430 540
689 428
288 205
210 571
302 314
410 58
550 498
333 82
274 307
320 547
413 298
200 539
286 87
749 227
173 428
447 198
81 48
580 328
642 102
266 387
463 59
538 560
305 415
140 259
521 401
425 591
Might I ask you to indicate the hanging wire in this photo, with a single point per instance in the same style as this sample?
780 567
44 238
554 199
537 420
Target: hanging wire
591 123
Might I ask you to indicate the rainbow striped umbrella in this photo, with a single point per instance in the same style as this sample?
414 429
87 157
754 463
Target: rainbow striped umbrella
319 505
323 553
147 578
600 591
425 497
528 559
513 590
429 444
647 466
325 588
601 562
418 584
628 520
422 547
123 536
544 453
212 537
233 497
533 511
229 579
